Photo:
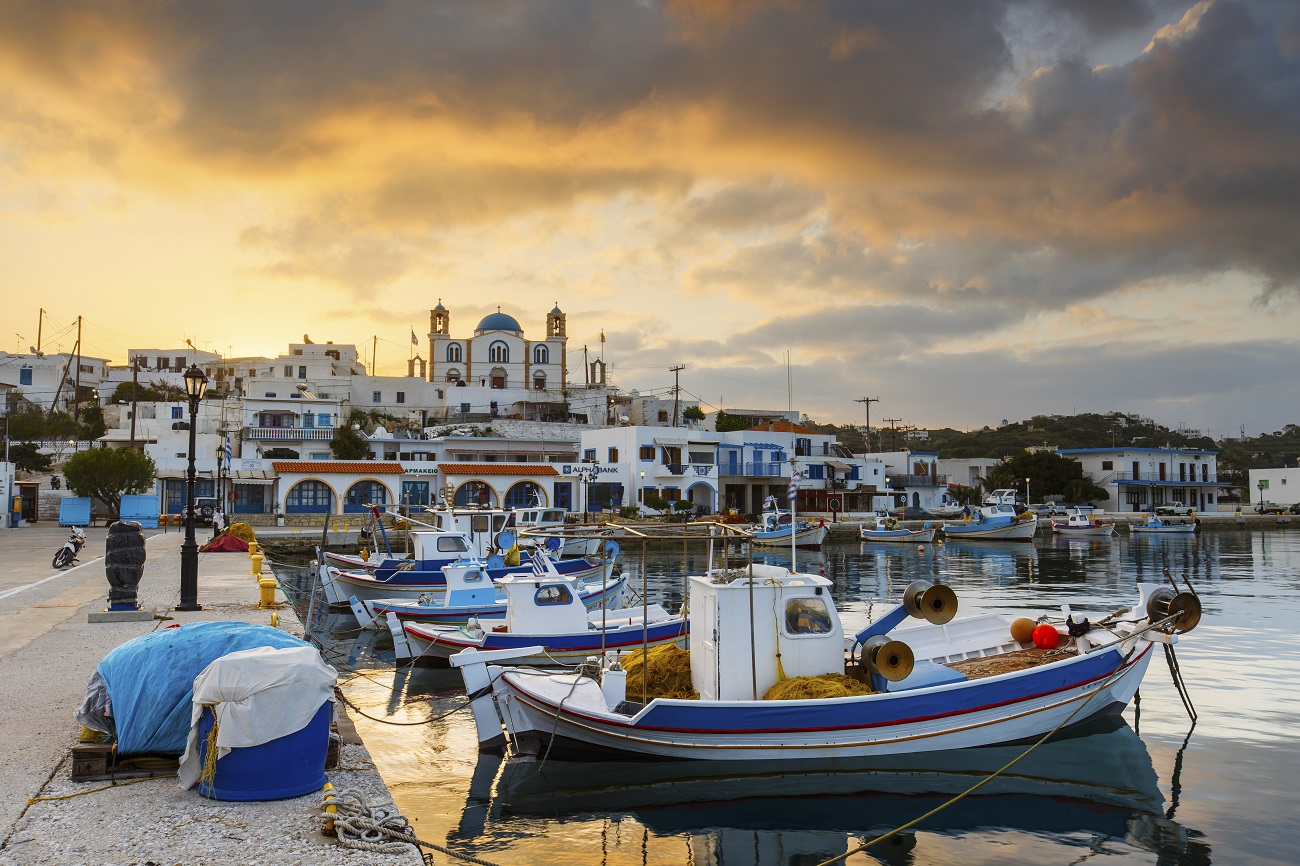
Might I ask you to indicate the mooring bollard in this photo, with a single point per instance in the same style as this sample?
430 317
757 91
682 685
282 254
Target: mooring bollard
124 564
267 588
257 564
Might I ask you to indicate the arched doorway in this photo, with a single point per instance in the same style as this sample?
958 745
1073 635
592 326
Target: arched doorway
702 498
525 494
309 497
475 493
364 493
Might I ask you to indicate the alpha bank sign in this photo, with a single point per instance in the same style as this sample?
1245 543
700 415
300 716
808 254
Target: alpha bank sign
575 468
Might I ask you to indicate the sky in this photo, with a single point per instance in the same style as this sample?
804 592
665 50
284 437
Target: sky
973 211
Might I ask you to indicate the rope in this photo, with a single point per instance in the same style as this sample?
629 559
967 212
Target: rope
469 700
982 782
31 800
363 827
209 773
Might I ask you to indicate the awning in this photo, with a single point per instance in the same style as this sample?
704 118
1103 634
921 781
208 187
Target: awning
668 440
838 464
252 475
176 473
768 446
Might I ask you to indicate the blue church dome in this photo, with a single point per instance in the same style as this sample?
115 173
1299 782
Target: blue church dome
498 321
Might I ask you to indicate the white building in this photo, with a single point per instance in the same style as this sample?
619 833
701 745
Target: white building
1275 485
1139 479
51 381
915 477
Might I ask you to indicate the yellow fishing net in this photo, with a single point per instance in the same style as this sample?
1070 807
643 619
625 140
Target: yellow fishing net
822 686
669 673
242 531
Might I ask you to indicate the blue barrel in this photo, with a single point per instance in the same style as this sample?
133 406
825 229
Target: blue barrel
289 766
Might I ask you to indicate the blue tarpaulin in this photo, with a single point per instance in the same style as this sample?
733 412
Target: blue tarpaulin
150 679
74 511
141 509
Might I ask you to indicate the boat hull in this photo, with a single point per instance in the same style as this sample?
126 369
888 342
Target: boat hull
567 711
914 535
1020 531
1106 531
339 586
435 644
1164 530
810 537
592 597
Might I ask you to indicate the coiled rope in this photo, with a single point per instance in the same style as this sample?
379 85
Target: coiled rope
363 827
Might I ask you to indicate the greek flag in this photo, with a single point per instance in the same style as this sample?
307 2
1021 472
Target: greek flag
793 493
227 449
414 341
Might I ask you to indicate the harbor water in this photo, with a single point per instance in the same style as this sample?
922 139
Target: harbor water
1147 787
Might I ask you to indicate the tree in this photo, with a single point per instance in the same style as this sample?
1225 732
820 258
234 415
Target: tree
349 444
693 413
1050 474
726 423
146 392
27 458
92 422
107 474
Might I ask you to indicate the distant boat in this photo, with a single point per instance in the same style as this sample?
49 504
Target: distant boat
996 520
889 529
1155 525
774 528
1081 524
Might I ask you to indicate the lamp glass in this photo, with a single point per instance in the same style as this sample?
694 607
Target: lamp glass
195 382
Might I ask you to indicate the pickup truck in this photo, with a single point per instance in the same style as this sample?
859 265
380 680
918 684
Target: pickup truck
1266 507
1174 508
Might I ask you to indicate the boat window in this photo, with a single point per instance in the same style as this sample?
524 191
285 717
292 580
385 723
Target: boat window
498 521
553 516
453 544
784 518
553 594
807 616
478 523
473 576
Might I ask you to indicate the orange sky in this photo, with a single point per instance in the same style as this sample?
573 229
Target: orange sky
972 211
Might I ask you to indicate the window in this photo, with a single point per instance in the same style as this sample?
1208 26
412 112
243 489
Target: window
453 375
401 396
1205 472
180 362
296 352
323 419
553 594
525 494
613 455
288 371
807 616
647 452
307 419
302 372
363 494
308 497
177 414
473 577
539 381
376 396
499 353
25 376
564 494
269 394
475 493
452 544
589 455
816 470
541 355
663 416
1107 465
453 356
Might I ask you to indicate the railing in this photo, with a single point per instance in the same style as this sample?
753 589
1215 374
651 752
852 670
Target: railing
765 470
918 480
1154 478
289 434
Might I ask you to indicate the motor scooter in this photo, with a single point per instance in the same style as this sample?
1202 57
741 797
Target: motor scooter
67 554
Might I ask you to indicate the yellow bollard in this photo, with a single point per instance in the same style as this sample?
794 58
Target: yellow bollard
257 564
347 526
275 620
253 549
267 587
330 809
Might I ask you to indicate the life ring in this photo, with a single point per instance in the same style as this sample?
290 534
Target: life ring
231 496
1096 522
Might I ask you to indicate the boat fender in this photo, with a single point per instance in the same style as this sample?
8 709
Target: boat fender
611 549
1077 627
1096 522
1046 636
1022 630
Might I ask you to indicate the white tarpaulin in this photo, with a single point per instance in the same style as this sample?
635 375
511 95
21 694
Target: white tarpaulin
258 695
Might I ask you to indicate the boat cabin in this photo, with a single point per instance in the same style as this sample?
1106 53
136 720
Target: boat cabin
468 584
480 526
548 604
438 546
793 614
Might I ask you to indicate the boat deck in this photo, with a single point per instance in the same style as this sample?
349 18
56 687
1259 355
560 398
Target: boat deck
1005 663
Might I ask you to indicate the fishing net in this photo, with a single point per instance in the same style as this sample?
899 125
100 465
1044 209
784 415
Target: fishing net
242 531
821 686
669 676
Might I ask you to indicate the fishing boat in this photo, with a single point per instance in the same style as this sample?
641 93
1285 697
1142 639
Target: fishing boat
547 612
993 522
471 593
775 527
1157 525
941 685
1081 524
889 529
432 552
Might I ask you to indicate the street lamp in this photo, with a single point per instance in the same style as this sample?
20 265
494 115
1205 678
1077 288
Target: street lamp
195 384
1026 492
586 475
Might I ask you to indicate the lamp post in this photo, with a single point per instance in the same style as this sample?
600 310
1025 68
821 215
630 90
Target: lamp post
586 475
195 384
1261 492
1026 492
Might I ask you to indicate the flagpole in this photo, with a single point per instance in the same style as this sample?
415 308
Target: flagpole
793 495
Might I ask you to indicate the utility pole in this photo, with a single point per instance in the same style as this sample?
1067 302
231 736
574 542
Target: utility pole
40 321
76 388
867 401
893 439
374 350
135 378
676 371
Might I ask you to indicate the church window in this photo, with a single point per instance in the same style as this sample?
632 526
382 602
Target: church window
499 353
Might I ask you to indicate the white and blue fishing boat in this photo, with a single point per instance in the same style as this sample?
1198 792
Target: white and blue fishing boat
777 528
1157 525
1081 524
470 592
995 520
890 529
547 612
940 685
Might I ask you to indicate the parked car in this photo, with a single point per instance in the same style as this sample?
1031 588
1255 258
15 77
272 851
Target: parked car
1294 509
1174 508
1266 507
912 513
204 509
1049 509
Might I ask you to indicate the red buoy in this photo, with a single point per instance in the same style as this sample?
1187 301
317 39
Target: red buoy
1046 636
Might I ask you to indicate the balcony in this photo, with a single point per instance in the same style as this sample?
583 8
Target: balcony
288 434
766 470
1154 478
900 481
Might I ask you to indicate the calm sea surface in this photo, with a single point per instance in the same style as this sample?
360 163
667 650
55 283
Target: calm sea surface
1150 788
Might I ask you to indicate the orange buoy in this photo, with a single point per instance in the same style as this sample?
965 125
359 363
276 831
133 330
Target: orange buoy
1046 636
1022 630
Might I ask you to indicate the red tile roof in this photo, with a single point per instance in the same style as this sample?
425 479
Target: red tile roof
496 469
783 427
351 467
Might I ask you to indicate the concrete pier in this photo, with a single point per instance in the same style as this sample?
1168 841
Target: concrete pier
48 651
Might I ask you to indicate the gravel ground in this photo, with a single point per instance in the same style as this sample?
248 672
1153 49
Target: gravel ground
48 651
